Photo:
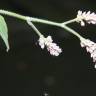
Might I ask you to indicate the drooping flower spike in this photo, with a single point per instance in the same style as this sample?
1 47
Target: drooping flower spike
51 47
90 47
88 17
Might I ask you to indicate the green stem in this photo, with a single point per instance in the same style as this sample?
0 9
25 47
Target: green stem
35 29
70 21
45 21
12 14
62 25
72 31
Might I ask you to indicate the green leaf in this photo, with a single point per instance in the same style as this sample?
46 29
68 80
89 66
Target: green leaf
4 32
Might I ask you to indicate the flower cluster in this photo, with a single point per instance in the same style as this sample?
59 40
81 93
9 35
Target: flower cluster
51 47
86 16
90 47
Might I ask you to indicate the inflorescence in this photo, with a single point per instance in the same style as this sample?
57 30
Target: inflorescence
53 48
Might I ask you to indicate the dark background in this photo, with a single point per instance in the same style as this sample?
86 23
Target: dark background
27 70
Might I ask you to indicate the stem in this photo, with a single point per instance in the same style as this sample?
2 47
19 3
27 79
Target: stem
62 25
45 21
70 21
72 31
35 29
12 14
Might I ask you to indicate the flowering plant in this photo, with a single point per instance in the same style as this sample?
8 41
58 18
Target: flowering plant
53 48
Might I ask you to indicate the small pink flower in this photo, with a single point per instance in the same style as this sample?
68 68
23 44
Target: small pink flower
51 47
90 47
86 16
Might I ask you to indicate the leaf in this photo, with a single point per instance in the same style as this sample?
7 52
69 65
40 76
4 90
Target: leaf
4 32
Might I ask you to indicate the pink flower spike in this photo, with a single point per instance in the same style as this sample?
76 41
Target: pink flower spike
90 47
89 17
51 47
